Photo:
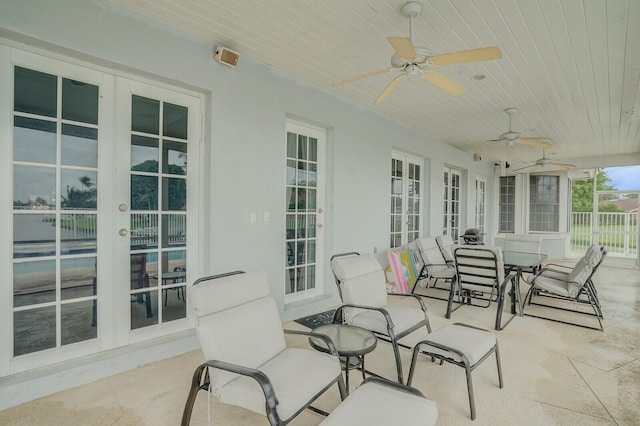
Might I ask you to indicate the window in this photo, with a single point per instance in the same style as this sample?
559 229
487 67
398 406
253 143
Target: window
452 207
507 204
406 200
481 195
544 203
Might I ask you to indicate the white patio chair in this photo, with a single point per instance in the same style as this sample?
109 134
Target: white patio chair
434 266
462 345
362 287
574 286
248 363
524 244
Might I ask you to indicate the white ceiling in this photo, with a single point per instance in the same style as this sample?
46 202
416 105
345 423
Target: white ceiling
570 67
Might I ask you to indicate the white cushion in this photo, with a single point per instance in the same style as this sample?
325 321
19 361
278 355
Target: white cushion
373 404
296 375
554 285
473 343
259 325
348 267
431 253
222 293
403 317
362 280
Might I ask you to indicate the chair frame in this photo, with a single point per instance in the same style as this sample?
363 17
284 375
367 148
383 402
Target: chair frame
587 295
392 337
464 362
201 380
465 296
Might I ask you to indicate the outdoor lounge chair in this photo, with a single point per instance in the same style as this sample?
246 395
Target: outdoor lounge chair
248 363
480 275
362 287
434 267
569 289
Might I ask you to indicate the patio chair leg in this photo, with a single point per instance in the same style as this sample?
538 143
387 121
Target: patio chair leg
499 365
197 384
396 351
472 404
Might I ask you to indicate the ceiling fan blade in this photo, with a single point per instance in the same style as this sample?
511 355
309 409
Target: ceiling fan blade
563 166
358 77
443 82
533 168
390 88
403 47
473 55
537 142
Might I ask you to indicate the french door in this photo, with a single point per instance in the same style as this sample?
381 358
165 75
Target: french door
304 212
100 192
406 198
451 218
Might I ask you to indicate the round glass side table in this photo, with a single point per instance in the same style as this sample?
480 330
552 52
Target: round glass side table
351 342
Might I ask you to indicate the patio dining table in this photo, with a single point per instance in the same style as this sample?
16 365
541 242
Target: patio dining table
517 261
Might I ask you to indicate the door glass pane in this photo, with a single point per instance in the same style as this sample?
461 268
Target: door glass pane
34 140
34 282
34 235
79 146
175 194
78 321
79 101
174 230
35 92
144 192
34 188
34 330
78 233
78 277
145 115
144 231
174 158
144 154
78 189
174 121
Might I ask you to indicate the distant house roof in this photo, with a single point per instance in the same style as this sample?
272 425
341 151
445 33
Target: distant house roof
629 205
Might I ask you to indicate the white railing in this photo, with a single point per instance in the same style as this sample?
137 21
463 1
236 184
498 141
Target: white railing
618 232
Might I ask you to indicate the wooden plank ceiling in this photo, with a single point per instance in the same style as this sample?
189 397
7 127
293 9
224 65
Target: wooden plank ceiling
571 68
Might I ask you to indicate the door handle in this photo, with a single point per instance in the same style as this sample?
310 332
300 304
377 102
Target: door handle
123 232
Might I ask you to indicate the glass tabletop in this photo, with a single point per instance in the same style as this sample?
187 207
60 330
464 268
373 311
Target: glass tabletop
520 259
348 340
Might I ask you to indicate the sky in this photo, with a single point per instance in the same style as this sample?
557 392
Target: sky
624 177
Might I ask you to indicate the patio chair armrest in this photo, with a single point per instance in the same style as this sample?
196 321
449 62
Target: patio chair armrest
392 384
383 311
557 265
418 298
267 387
326 339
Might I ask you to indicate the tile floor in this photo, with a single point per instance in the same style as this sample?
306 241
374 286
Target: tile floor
555 374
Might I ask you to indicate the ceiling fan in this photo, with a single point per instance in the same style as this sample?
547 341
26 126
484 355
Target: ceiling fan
545 163
512 137
410 60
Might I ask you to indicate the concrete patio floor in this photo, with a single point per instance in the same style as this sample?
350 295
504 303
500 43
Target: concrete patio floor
555 374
